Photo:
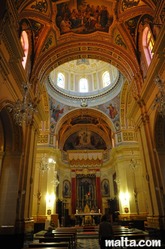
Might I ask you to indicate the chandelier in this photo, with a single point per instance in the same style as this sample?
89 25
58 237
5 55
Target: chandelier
159 101
23 110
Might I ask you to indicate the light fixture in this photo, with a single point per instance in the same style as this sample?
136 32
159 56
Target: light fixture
159 101
124 198
23 110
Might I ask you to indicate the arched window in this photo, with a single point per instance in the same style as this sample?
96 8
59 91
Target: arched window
106 79
61 80
148 44
83 84
25 46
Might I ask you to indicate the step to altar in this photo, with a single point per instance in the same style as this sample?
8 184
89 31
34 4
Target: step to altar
87 228
87 232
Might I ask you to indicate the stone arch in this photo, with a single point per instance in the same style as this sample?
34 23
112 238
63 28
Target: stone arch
66 122
110 53
12 132
11 148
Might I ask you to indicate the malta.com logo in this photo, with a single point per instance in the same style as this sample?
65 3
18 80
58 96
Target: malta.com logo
125 242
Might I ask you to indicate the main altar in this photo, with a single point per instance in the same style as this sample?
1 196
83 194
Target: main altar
91 218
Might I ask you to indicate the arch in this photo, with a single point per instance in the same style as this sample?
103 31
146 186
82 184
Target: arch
13 133
90 111
102 125
11 148
110 53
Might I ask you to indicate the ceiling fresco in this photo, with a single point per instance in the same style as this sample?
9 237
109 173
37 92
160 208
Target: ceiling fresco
77 16
85 140
66 30
110 108
129 4
84 16
113 21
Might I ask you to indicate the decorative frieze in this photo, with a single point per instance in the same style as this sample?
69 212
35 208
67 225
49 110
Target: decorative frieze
129 136
43 139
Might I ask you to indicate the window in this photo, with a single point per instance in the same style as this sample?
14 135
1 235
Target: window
148 44
25 46
83 85
61 80
106 79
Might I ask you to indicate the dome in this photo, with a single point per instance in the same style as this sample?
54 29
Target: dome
84 82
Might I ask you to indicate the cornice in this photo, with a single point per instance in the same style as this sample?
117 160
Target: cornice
93 98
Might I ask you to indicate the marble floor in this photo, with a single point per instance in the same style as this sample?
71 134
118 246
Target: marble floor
87 239
88 244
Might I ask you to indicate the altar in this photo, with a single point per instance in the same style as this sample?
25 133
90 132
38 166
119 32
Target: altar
87 218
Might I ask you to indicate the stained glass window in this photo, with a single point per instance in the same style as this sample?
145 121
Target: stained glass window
148 44
25 46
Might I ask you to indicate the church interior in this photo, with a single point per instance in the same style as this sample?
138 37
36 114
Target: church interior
82 113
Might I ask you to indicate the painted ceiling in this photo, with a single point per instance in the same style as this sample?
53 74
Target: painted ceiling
62 31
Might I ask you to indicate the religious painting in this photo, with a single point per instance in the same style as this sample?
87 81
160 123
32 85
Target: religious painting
85 140
84 17
56 112
86 192
105 188
66 189
112 111
111 108
127 4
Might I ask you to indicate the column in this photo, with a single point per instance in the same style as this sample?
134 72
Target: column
73 191
98 191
